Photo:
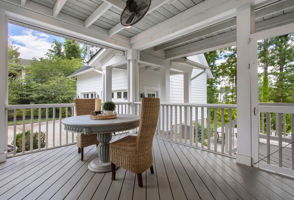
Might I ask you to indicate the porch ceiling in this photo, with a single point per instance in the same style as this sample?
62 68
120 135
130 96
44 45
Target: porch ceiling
224 33
165 21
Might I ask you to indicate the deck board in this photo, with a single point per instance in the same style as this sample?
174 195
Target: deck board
180 172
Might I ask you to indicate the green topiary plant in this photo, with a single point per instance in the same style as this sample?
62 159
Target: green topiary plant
109 106
27 141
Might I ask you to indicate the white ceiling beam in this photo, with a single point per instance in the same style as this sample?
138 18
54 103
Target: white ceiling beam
155 4
58 6
185 39
40 17
148 59
209 44
23 3
118 4
97 13
190 62
202 15
261 12
225 39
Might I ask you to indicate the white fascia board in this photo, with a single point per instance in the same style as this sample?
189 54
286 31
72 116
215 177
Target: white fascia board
115 60
84 72
202 15
96 57
40 16
209 73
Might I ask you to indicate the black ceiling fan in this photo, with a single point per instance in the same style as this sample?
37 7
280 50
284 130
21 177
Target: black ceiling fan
134 11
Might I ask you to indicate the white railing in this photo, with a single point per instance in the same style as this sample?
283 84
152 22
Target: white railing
37 127
210 127
276 135
205 126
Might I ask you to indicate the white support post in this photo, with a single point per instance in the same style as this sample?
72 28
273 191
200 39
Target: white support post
165 83
133 76
3 84
187 87
245 27
107 84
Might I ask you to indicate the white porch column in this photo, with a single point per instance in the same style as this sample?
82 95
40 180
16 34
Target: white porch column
165 84
107 84
245 26
133 75
3 84
187 86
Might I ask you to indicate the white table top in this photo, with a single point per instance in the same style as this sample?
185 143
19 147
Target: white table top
84 124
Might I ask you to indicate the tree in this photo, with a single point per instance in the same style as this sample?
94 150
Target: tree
15 68
72 50
56 50
227 74
212 91
48 80
265 60
283 57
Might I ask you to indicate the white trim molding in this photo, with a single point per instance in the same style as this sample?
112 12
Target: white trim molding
3 83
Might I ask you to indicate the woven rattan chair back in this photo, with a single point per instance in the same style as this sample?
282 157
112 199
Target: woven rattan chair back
149 117
85 106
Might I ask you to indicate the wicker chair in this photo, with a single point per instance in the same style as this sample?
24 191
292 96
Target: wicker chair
85 107
134 153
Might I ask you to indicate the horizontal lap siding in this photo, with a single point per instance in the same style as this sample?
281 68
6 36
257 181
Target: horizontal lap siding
177 88
89 82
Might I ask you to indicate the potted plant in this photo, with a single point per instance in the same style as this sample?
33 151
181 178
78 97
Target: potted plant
108 107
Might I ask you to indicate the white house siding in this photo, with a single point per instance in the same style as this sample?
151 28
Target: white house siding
199 88
88 83
119 79
149 81
177 88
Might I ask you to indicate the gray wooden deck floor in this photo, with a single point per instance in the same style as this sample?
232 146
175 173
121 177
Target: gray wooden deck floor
181 173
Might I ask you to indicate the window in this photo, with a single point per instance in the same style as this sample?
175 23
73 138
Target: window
89 95
125 95
112 95
118 95
151 95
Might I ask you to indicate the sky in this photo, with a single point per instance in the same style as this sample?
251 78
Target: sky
31 43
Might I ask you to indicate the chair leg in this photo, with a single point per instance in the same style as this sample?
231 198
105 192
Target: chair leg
140 181
151 169
79 150
113 171
82 154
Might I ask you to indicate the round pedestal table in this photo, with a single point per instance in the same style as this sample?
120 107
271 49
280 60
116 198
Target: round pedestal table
103 129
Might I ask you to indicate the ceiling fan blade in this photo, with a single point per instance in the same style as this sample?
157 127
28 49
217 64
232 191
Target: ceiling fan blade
130 19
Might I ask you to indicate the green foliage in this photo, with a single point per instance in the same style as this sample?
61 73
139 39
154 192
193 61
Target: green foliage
212 91
109 105
224 79
46 79
14 66
19 139
276 56
56 50
72 50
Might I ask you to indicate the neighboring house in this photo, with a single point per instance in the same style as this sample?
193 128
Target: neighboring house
89 79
